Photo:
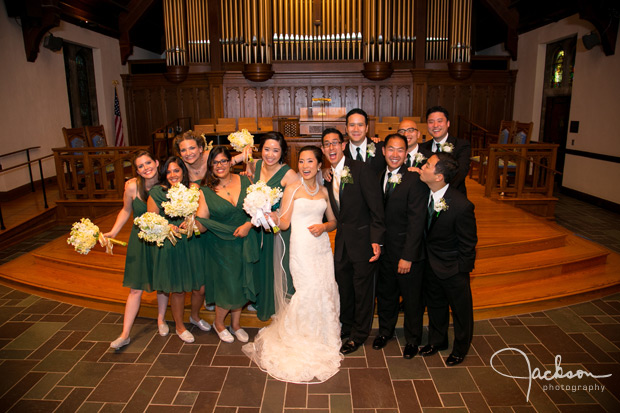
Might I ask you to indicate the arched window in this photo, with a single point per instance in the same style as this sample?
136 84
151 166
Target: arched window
558 69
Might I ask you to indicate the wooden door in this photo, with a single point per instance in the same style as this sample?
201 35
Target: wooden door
557 112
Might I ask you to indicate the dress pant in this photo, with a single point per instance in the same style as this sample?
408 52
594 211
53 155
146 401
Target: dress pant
391 286
356 281
441 295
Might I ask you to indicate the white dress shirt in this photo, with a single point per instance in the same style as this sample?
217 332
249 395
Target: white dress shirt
441 142
353 149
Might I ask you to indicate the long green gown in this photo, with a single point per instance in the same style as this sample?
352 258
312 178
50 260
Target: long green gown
177 268
139 257
265 306
231 261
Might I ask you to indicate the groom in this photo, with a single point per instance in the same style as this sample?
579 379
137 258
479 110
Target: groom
355 197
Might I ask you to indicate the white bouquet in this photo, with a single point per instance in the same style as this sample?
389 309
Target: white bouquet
85 234
258 202
240 139
155 228
183 203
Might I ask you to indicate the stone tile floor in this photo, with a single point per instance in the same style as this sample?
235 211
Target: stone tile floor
55 357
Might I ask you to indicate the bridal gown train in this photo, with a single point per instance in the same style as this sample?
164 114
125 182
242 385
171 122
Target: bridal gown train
302 343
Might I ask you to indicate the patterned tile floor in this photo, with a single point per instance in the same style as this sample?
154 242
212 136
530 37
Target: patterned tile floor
55 357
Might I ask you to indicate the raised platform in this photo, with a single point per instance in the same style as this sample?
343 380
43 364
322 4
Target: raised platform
524 264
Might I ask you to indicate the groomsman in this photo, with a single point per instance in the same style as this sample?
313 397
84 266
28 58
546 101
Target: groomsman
409 129
355 197
360 147
450 253
438 121
401 267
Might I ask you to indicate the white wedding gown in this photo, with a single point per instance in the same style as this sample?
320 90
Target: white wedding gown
302 343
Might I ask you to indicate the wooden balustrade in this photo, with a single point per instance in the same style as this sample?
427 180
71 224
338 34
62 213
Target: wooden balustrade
93 173
521 170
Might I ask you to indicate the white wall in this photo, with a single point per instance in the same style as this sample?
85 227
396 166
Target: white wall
595 103
34 104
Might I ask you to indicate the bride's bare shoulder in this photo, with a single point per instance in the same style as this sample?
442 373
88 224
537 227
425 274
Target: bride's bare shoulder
292 187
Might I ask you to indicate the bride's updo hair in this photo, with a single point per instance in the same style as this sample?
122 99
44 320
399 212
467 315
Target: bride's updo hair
318 154
276 136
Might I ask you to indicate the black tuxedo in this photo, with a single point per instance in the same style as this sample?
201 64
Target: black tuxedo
377 162
461 152
450 254
427 154
360 223
405 220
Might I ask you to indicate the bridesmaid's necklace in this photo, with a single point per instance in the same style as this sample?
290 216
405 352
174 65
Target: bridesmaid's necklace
308 191
199 171
225 185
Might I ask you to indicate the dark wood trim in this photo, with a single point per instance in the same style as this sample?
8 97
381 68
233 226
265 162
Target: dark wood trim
420 33
591 199
36 19
215 33
592 155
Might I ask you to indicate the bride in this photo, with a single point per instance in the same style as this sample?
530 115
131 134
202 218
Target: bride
302 343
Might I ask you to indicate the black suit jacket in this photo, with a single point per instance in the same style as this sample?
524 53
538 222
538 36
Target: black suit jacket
377 162
360 215
452 237
405 218
427 154
462 153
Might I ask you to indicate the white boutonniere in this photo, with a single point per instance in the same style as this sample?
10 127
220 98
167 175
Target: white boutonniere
371 149
395 180
345 176
442 205
418 158
446 147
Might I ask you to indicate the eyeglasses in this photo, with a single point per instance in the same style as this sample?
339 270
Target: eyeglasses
328 145
403 131
222 162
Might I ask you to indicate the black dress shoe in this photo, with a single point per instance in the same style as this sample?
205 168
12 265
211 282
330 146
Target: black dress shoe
380 342
344 335
453 360
349 347
429 350
410 351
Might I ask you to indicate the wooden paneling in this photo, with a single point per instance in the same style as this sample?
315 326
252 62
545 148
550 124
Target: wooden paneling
486 97
152 101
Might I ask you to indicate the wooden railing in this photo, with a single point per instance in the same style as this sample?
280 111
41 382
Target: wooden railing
93 173
521 170
478 136
29 165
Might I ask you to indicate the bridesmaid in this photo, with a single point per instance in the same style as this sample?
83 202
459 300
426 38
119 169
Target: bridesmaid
177 269
272 170
138 261
192 148
231 241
